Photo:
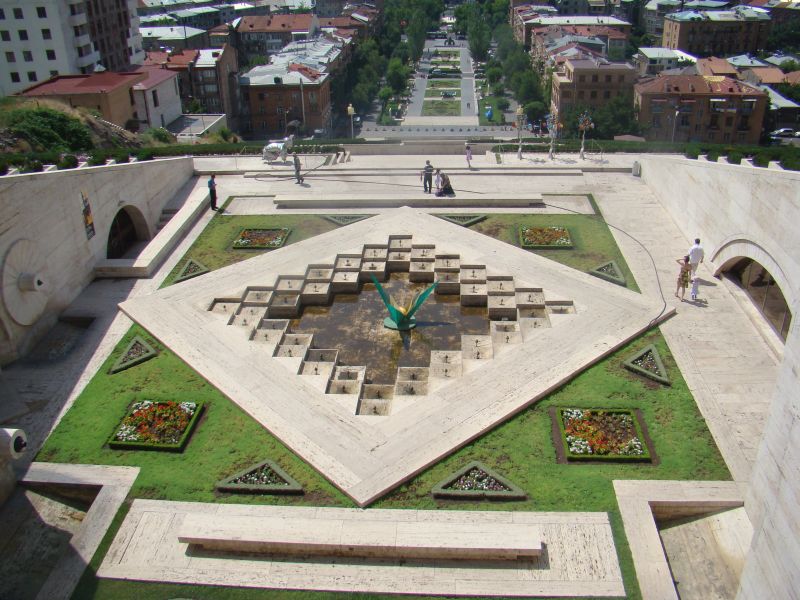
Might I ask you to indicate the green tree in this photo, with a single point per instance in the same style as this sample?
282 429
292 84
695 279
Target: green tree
396 75
494 74
479 37
385 94
535 111
416 32
788 66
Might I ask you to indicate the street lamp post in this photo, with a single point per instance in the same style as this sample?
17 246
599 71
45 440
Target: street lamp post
552 130
520 115
584 122
351 111
675 123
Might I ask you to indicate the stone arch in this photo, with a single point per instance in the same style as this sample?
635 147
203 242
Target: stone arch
128 227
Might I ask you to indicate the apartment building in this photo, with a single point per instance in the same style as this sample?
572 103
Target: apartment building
540 21
700 108
722 32
651 61
156 98
175 37
600 40
265 35
40 39
590 82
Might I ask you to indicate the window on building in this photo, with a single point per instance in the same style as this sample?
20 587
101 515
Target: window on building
51 54
53 73
581 78
11 57
46 34
27 56
23 35
18 13
2 15
41 12
728 121
5 36
593 94
155 97
595 78
714 121
32 76
261 95
14 77
566 94
608 78
606 94
581 94
726 137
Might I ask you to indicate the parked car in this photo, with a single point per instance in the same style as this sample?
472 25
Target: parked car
448 94
783 132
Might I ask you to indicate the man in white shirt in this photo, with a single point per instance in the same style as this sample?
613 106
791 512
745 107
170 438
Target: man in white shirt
696 255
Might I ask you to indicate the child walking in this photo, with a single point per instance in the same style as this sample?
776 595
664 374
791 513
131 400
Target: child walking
695 287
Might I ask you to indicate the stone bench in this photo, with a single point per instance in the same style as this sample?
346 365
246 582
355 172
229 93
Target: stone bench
362 537
417 200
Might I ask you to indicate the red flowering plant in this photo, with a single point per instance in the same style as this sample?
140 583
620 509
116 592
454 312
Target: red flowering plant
601 433
156 423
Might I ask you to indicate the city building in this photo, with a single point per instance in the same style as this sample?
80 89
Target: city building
64 37
154 7
111 94
524 29
265 35
590 82
700 108
652 61
782 12
156 98
206 78
715 67
721 32
781 112
175 37
653 14
201 17
599 40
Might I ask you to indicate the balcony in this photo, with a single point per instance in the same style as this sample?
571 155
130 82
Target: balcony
78 20
88 59
79 41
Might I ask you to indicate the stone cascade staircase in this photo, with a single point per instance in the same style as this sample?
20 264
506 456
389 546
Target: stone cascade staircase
166 216
264 314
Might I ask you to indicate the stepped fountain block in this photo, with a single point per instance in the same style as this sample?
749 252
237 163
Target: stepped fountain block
375 252
422 252
270 331
348 388
502 307
315 293
421 271
411 388
399 242
319 273
448 263
323 355
349 373
398 260
347 380
257 295
476 347
448 283
225 306
319 373
289 283
248 315
348 262
505 332
376 399
291 351
284 305
473 294
377 391
445 364
473 274
560 307
500 285
345 282
372 267
412 374
530 297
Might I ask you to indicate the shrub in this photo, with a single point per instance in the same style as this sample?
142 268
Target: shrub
97 158
735 158
761 159
32 166
712 156
48 128
68 161
121 156
502 104
791 163
159 134
3 167
692 151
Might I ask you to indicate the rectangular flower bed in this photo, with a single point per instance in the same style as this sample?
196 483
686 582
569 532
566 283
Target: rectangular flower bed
612 435
261 238
477 482
545 238
265 477
156 425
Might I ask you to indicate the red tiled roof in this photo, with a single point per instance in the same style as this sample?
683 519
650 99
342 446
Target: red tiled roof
95 83
715 66
308 72
275 23
696 84
154 76
768 75
792 78
177 59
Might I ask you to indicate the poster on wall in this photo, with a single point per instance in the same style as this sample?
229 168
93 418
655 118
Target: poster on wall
88 220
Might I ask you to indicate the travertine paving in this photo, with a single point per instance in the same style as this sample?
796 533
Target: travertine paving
366 456
579 557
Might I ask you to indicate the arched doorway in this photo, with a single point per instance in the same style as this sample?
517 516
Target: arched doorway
762 289
127 228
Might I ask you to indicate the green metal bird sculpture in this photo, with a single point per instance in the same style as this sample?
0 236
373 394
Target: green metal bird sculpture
402 317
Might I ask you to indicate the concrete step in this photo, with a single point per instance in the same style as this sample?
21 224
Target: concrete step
417 199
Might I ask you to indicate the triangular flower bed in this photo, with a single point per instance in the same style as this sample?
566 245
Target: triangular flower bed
463 220
477 482
136 353
192 268
343 220
647 363
263 478
609 271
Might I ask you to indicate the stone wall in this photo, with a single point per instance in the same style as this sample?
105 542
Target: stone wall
47 209
736 211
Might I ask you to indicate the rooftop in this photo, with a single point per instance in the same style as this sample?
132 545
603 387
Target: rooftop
154 76
577 20
177 32
96 83
776 101
740 13
715 66
745 60
176 59
275 23
697 84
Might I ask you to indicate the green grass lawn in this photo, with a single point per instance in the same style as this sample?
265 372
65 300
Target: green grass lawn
437 93
441 108
227 440
213 247
592 241
444 83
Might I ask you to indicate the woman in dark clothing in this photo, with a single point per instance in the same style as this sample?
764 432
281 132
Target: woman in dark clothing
447 189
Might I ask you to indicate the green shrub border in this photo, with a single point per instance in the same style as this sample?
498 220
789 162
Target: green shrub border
557 417
183 276
629 364
514 492
121 366
293 488
453 218
522 243
118 445
285 237
605 276
343 220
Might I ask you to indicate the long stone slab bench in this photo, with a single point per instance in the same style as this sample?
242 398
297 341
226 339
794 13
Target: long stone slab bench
417 200
362 537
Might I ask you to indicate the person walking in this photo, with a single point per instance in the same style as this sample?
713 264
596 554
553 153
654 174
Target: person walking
297 175
427 177
695 287
683 276
468 153
212 191
696 255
